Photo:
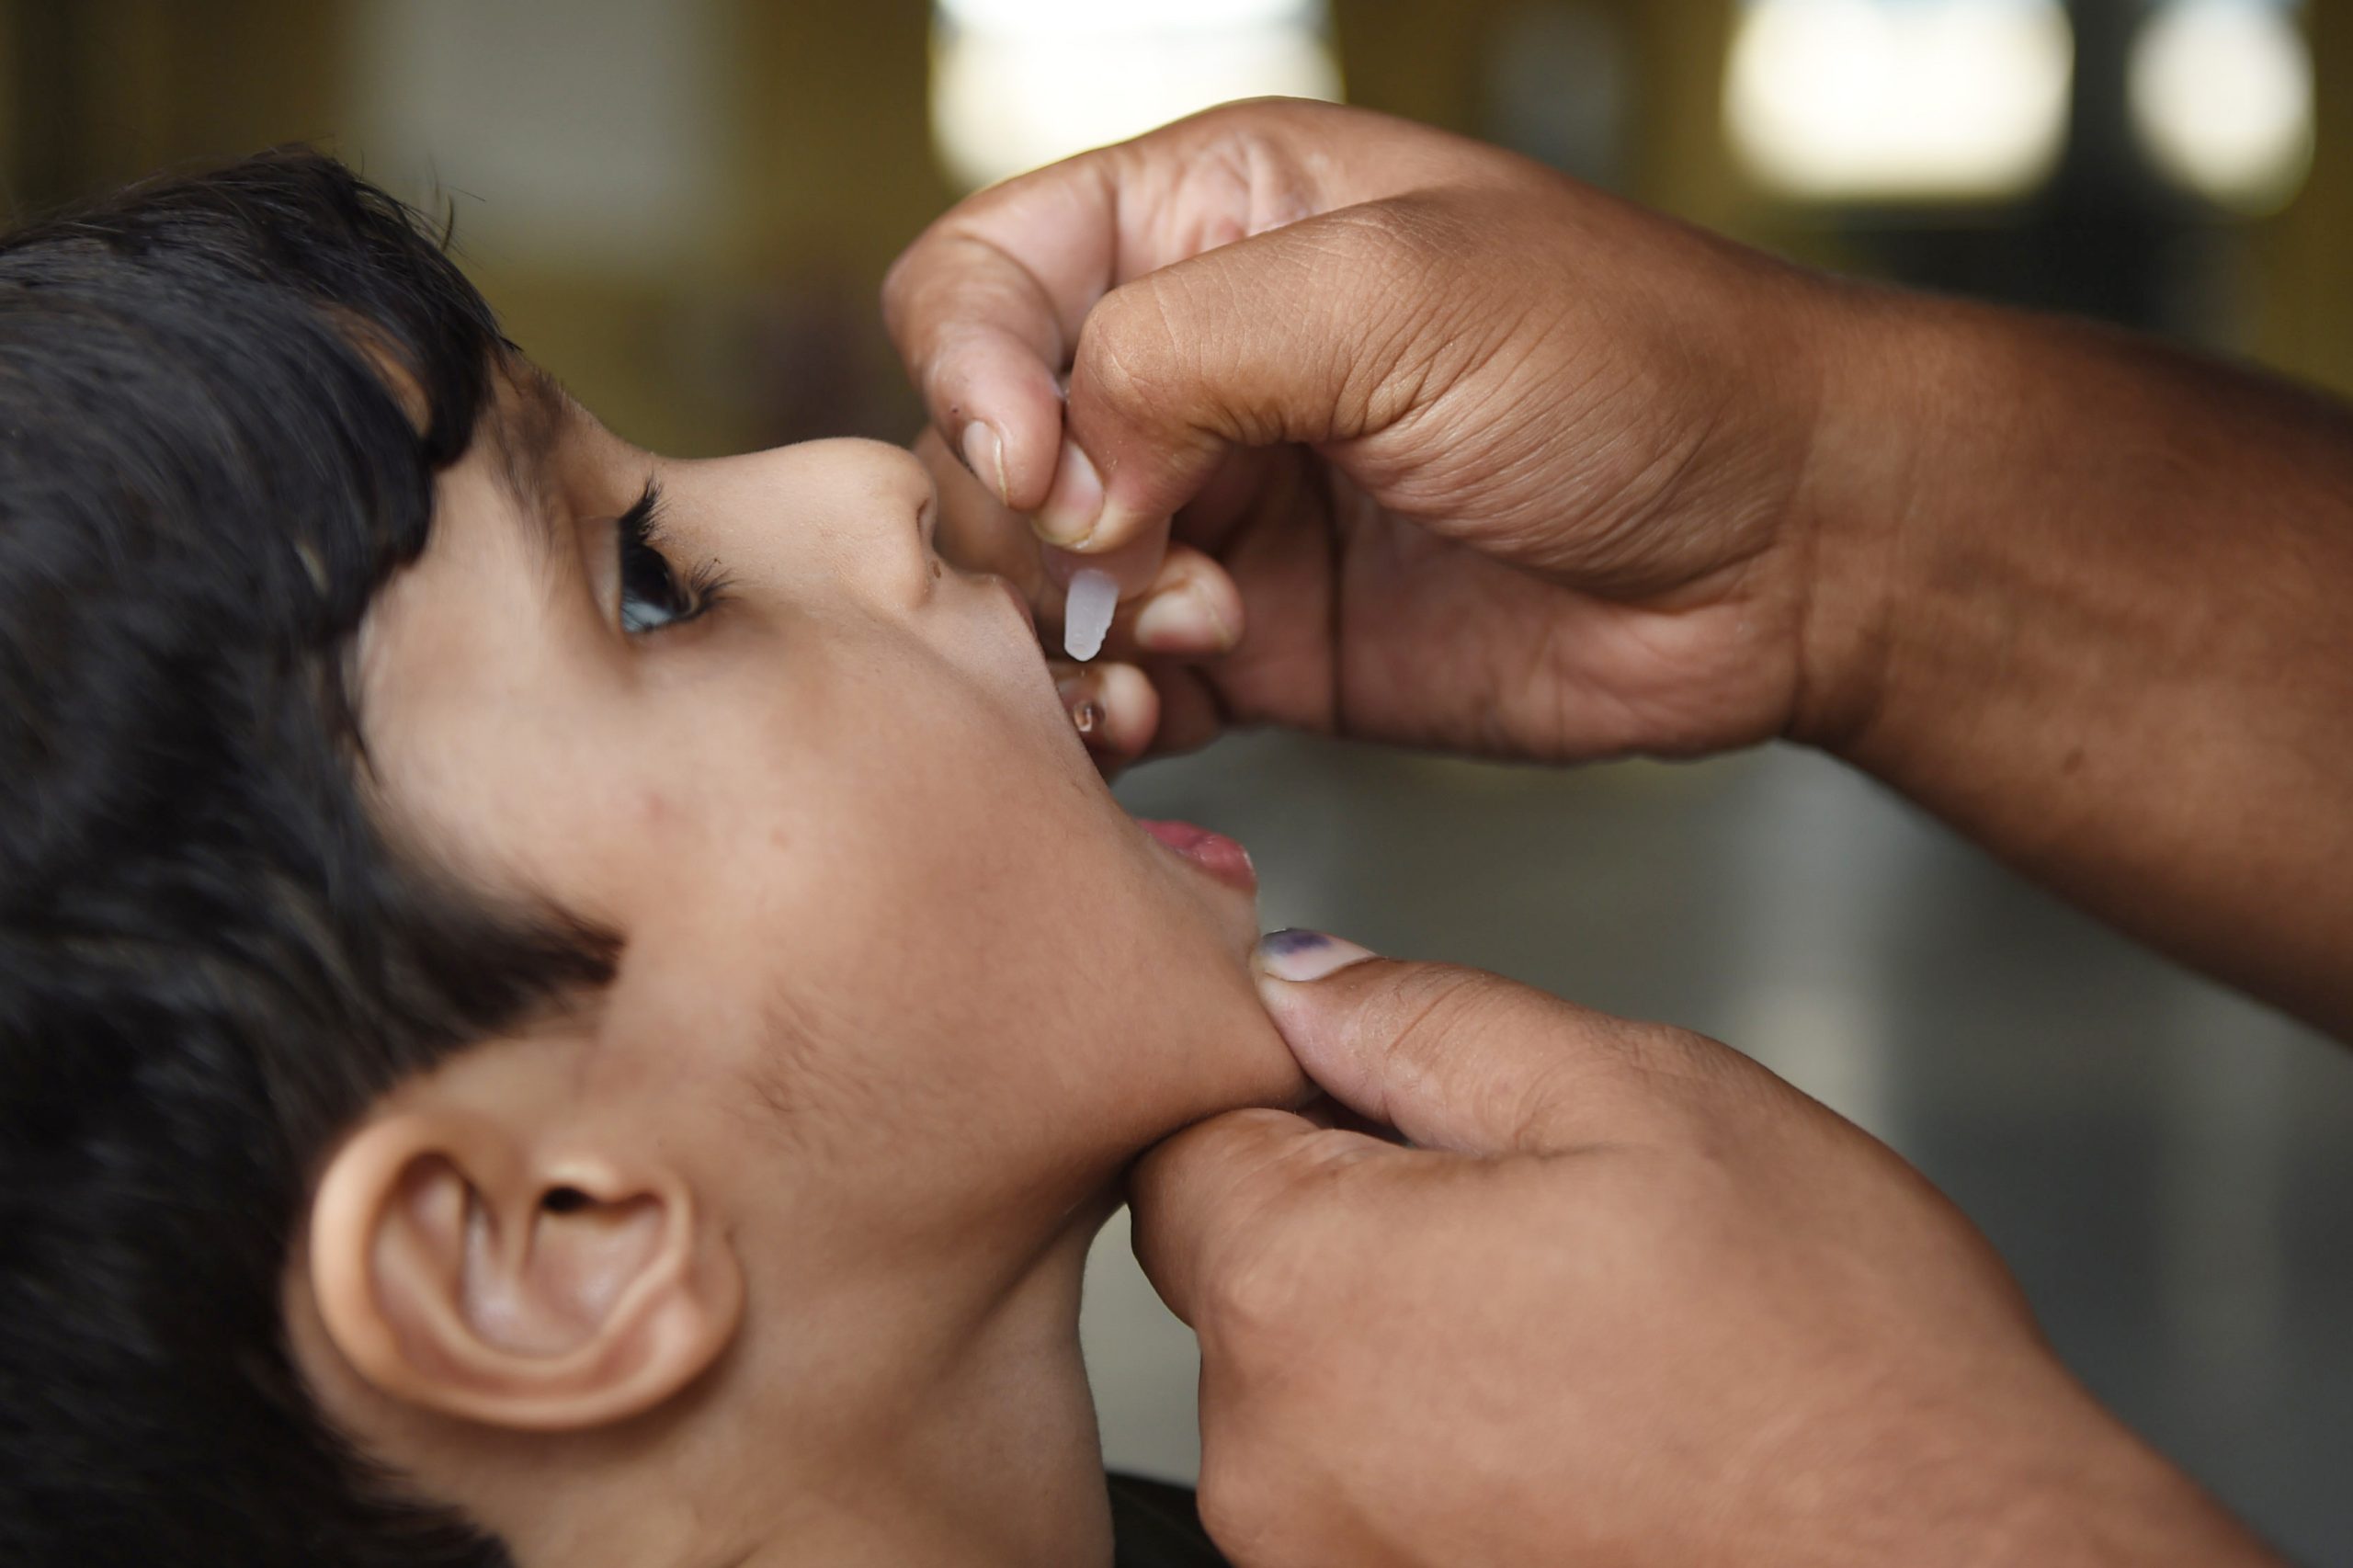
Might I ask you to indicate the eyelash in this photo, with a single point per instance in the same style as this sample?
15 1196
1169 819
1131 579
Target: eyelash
638 541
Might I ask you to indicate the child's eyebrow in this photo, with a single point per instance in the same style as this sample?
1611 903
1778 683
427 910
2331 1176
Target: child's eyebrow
526 432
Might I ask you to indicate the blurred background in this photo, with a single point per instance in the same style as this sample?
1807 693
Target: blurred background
683 207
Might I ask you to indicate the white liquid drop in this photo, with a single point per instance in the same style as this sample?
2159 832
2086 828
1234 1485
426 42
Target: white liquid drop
1087 615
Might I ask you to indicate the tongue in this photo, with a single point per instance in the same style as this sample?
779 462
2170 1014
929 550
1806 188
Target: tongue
1212 852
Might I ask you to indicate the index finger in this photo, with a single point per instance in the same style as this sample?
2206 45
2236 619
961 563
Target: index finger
985 308
1213 1200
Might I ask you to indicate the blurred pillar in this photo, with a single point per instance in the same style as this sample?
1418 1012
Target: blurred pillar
104 91
1409 58
838 174
1429 63
1683 162
838 153
2100 228
2304 322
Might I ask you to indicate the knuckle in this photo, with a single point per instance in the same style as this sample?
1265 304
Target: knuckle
912 290
1276 1263
1255 1304
939 380
1238 115
1431 308
1420 225
1688 1069
1558 1065
1649 1081
1690 1096
1129 347
1415 255
1241 1507
1433 1016
1420 1009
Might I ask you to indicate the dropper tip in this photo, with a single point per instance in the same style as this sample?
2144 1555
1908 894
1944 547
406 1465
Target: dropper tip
1087 615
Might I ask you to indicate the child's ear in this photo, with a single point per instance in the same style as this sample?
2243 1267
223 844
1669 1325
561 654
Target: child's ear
471 1259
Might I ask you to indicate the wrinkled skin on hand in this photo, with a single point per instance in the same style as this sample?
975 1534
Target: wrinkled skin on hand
1463 453
1627 1298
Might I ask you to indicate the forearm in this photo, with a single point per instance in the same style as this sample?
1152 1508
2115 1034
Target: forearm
2091 601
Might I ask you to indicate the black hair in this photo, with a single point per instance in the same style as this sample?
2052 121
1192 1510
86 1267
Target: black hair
211 959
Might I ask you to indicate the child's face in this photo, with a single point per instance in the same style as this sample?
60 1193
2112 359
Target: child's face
897 969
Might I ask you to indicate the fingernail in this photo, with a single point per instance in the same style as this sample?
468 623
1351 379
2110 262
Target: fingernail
1182 621
1300 955
985 455
1074 503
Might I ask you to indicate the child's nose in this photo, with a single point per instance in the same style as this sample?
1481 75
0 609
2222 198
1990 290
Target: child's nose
898 530
867 506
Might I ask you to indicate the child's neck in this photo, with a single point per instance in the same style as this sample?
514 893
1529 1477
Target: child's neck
984 1454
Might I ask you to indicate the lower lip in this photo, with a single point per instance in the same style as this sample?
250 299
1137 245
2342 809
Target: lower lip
1212 852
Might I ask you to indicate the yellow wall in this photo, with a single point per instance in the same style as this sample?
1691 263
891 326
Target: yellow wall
2304 272
829 170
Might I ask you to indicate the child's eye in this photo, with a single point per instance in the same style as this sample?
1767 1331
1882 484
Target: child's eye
653 594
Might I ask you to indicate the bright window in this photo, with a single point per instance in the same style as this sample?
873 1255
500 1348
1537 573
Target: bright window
1900 100
2222 99
1019 83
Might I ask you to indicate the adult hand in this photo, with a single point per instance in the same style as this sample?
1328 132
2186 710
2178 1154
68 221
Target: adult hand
1627 1298
1459 451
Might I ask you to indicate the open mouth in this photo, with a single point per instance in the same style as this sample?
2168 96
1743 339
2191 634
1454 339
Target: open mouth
1214 853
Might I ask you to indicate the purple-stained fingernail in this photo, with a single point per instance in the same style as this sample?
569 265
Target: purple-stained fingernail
1300 956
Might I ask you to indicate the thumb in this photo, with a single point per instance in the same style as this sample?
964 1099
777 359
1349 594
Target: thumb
1453 1058
1299 333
